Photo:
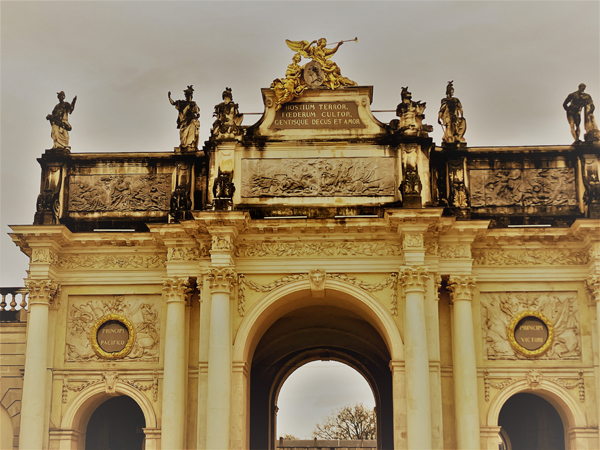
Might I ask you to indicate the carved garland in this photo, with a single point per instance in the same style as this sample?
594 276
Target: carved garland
391 281
534 380
299 249
106 376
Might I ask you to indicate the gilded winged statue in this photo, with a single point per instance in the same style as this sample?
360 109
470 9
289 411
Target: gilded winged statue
320 71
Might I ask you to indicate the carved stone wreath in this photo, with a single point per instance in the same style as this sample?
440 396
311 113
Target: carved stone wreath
94 337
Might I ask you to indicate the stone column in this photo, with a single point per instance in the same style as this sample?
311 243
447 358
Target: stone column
593 286
418 398
399 393
466 403
173 400
218 409
33 402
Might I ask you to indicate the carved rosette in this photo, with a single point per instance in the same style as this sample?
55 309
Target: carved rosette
221 279
593 286
41 291
175 289
414 278
461 288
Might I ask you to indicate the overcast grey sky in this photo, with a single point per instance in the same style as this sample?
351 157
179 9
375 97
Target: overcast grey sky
512 62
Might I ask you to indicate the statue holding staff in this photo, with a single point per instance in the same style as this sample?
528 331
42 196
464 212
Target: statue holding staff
450 117
59 119
188 121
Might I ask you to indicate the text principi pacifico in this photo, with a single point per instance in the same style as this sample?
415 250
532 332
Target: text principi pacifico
320 71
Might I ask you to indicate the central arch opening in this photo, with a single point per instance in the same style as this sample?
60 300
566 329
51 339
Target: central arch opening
312 333
326 389
117 424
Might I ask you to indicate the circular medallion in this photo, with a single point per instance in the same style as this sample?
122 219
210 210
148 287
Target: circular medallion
530 333
112 336
313 74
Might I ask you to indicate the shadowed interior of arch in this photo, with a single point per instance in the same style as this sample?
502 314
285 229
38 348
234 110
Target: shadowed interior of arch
317 333
117 424
530 422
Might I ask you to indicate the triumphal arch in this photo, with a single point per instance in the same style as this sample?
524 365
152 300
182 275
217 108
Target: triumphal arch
169 295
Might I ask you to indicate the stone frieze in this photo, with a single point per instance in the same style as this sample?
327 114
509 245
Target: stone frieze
318 177
129 192
531 257
523 187
561 309
300 249
141 311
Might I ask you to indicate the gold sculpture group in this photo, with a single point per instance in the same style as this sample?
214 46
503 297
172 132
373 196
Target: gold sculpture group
325 72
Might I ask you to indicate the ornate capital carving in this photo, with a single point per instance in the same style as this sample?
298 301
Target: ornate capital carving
221 279
414 278
593 286
175 289
41 291
461 288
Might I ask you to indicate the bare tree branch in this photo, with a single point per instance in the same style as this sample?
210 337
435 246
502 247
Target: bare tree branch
349 422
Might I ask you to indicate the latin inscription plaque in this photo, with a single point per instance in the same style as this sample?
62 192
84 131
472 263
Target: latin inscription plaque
531 333
317 115
113 336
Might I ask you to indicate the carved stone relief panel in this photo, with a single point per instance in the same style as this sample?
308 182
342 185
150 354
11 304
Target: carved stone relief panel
318 177
561 309
141 310
523 187
127 192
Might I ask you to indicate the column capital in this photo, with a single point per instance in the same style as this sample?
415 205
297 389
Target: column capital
41 292
175 289
414 278
593 286
221 279
461 287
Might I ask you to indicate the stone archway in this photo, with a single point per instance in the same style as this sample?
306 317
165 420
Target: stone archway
289 327
71 435
570 412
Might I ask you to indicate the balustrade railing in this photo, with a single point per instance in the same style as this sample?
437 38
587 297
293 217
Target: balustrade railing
10 300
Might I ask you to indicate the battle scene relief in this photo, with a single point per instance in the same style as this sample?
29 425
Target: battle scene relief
142 311
318 177
523 187
143 192
561 309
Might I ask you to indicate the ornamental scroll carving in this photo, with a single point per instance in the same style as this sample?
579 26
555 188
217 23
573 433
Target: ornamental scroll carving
561 309
391 281
110 380
454 251
530 257
142 311
523 187
319 177
300 249
130 192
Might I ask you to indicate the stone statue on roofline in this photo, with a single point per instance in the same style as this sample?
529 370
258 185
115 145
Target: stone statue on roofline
188 121
450 117
573 105
59 119
410 116
228 122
